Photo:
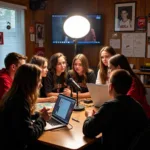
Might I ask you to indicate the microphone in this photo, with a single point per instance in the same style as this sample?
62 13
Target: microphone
78 88
74 84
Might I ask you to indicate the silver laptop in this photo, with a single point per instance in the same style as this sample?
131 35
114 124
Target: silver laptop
99 93
61 113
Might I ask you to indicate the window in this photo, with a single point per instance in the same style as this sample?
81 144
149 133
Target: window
12 26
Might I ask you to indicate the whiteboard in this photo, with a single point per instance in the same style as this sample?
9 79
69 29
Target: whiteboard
133 44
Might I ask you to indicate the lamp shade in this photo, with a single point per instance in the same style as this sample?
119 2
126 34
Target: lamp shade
76 26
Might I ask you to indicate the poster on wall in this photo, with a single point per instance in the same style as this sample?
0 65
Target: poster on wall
39 32
133 44
141 23
125 16
1 38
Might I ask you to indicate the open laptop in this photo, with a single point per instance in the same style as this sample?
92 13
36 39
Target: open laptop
99 93
61 113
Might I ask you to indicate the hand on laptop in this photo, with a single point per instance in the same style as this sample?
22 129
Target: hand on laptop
89 113
45 113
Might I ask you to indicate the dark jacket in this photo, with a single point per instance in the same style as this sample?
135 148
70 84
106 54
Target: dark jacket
119 121
17 129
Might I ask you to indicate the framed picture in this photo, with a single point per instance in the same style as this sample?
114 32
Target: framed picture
125 16
39 32
141 23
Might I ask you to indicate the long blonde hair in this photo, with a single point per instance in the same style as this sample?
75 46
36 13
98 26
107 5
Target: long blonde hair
25 82
104 69
85 65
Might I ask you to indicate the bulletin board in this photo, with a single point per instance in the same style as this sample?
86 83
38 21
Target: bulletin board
133 44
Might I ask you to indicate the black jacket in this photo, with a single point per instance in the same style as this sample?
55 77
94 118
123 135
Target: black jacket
119 121
17 129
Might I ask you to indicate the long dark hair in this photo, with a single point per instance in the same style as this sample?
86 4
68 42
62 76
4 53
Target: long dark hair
121 60
38 60
25 82
102 67
52 66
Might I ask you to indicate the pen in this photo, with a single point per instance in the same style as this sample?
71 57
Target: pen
75 120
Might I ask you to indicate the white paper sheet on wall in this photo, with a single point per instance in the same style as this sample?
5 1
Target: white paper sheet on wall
133 44
148 29
148 51
115 43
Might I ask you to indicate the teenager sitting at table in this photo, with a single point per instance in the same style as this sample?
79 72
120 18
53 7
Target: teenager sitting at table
12 62
82 74
55 81
42 62
17 129
119 120
137 90
105 53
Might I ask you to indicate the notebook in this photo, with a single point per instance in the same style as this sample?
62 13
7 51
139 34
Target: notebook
61 113
99 93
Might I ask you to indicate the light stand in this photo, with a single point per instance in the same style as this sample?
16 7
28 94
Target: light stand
77 106
75 47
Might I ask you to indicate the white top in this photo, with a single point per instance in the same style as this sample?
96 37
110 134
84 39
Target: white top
125 24
98 80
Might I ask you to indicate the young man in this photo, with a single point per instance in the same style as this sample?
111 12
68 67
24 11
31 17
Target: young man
12 62
120 119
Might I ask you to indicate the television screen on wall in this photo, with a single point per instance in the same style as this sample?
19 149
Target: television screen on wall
94 37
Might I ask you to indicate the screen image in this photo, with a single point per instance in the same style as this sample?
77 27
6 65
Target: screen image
63 108
95 35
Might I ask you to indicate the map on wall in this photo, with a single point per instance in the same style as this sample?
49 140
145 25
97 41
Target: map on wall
133 44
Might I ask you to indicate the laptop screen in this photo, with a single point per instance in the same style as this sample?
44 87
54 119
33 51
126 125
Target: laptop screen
63 108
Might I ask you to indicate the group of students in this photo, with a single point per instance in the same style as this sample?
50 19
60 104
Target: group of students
22 85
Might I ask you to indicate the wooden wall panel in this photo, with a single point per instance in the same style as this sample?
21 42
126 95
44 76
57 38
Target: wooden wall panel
105 7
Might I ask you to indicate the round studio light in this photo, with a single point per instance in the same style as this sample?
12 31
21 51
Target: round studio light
76 26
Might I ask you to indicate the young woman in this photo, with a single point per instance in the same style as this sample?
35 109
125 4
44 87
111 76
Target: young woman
42 62
17 129
104 55
137 90
82 75
55 81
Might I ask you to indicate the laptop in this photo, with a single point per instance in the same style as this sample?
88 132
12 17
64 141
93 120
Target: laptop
61 113
99 93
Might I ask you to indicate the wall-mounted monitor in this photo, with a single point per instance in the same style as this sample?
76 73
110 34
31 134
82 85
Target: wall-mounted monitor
94 37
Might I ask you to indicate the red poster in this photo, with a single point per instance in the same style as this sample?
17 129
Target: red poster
40 51
1 38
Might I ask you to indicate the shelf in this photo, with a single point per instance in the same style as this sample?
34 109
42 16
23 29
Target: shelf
146 86
142 73
144 77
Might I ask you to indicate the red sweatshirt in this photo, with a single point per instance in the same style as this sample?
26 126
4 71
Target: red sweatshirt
136 92
5 82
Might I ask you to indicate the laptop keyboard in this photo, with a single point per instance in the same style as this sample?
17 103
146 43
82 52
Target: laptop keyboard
53 122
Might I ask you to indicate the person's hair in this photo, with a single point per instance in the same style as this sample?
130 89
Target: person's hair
85 65
38 60
104 69
13 58
121 60
121 81
53 63
25 82
126 10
